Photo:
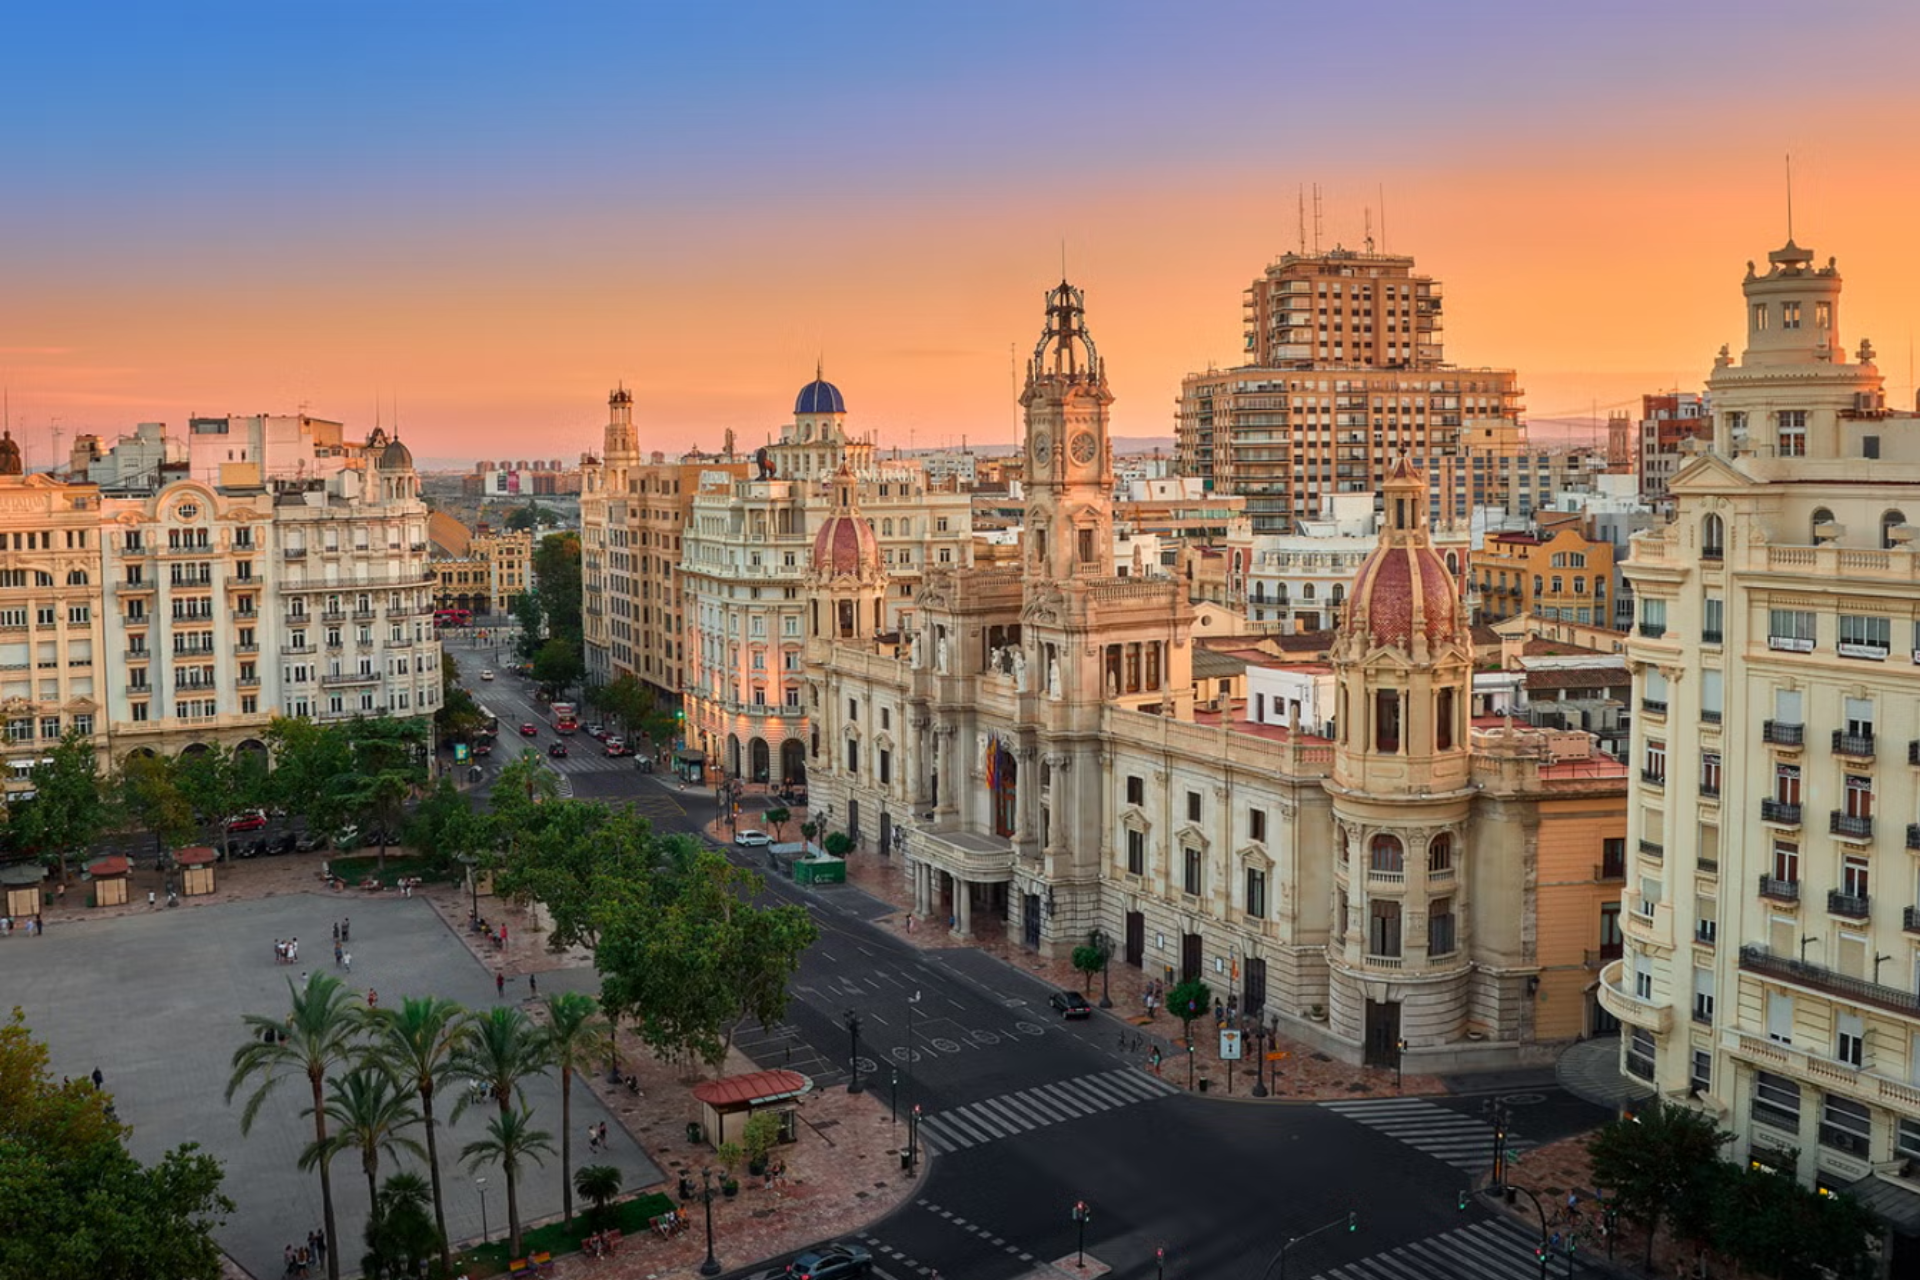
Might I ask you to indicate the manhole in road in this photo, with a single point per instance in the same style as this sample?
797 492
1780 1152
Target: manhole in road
1523 1099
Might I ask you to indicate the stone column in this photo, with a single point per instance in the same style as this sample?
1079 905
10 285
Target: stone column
962 908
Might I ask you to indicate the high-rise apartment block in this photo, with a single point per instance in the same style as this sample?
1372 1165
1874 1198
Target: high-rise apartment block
1772 954
1667 424
1345 373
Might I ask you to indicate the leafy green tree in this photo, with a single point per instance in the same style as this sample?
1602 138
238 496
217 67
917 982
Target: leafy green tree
573 856
1088 960
556 568
524 519
1188 1002
400 1236
68 810
370 1111
511 1141
419 1042
321 1031
389 762
308 759
839 844
531 613
502 1050
778 818
557 664
219 783
599 1183
445 827
149 797
576 1034
459 718
74 1204
1657 1164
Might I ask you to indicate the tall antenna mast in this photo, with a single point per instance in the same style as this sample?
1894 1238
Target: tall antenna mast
1789 195
1316 219
1303 219
1369 214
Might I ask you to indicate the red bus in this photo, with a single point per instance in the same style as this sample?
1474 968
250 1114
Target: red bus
564 720
453 617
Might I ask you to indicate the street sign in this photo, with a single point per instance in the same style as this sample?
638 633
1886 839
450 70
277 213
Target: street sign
459 753
1229 1045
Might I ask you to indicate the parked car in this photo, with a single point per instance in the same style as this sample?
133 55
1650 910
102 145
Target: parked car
597 731
308 842
615 747
831 1262
486 673
529 730
251 820
1070 1004
753 839
557 749
286 843
483 748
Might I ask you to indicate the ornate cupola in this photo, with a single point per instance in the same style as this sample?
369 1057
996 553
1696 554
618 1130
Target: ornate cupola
1069 481
847 579
1403 656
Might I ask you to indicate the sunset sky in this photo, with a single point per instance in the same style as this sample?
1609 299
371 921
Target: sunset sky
493 212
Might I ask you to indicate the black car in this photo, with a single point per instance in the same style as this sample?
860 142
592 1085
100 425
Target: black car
557 749
285 842
1070 1004
831 1262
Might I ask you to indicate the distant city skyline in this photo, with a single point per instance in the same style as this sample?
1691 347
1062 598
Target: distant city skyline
492 222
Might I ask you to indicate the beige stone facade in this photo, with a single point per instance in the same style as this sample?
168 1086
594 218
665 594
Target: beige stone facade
1772 953
1031 747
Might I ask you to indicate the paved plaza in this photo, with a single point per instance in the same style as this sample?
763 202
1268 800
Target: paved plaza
154 1000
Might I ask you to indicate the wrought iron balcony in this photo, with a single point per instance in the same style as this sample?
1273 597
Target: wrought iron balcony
1652 849
1710 717
1851 905
1910 919
1779 890
1913 835
1845 824
1711 637
1858 745
1755 958
1653 630
1782 734
1784 811
1653 777
1655 706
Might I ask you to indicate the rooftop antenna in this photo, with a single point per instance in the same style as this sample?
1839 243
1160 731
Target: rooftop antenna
1063 258
1789 197
1303 219
1369 230
1316 219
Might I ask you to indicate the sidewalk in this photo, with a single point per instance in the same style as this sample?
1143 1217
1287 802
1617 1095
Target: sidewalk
1302 1074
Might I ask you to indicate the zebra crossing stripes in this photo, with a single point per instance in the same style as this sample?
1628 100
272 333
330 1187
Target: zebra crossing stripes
1012 1114
1494 1249
1459 1140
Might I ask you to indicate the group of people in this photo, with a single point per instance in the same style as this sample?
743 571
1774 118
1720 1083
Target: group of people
597 1136
311 1254
30 925
598 1245
1153 995
286 950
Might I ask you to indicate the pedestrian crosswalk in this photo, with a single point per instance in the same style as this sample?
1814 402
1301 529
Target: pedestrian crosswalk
1459 1140
1016 1113
1495 1249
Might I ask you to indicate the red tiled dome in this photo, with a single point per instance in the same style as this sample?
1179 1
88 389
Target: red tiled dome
1389 583
845 544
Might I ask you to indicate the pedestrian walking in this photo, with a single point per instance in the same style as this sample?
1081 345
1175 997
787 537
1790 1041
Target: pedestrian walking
337 952
346 961
533 986
320 1241
499 982
336 931
150 900
293 951
346 929
98 1079
603 1133
373 998
593 1139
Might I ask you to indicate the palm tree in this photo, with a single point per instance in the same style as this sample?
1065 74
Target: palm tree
371 1109
400 1236
418 1042
321 1031
599 1183
574 1035
510 1139
503 1049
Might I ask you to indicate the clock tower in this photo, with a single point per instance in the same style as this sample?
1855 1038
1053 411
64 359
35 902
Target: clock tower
1069 532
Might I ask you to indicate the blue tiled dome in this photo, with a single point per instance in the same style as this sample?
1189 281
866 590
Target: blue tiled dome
820 396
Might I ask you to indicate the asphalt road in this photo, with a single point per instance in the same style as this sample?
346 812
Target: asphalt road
1025 1114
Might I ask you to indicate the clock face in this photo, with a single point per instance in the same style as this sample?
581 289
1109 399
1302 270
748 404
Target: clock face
1042 442
1083 448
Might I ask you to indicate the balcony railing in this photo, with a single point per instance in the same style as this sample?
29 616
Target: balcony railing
1655 706
1913 835
1913 751
1779 890
1611 869
1653 777
1710 791
1652 849
1758 959
1710 717
1785 811
1711 637
1858 745
1845 824
1706 933
1709 865
1910 919
1851 905
1653 630
1782 734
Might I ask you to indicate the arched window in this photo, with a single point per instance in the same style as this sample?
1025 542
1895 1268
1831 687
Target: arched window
1713 538
1820 516
1889 522
76 577
1440 854
1306 592
1453 562
1386 720
886 528
1339 592
1387 854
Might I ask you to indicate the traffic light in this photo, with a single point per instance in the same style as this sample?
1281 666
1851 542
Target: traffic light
1463 1201
1540 1253
1353 1221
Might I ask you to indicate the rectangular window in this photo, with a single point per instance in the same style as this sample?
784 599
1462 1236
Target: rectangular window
1700 1071
1656 763
885 759
1864 637
1713 623
1779 1017
1789 315
1792 630
1850 1040
1256 893
1653 618
1703 996
1793 433
1136 790
1136 852
1709 773
1190 870
1845 1125
1257 824
1440 929
1760 317
1193 806
1640 1051
1776 1101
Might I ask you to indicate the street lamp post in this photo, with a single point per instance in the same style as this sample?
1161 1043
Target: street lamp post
1498 1117
893 1101
1259 1060
711 1267
1351 1222
853 1052
913 1090
480 1184
1399 1058
1081 1214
